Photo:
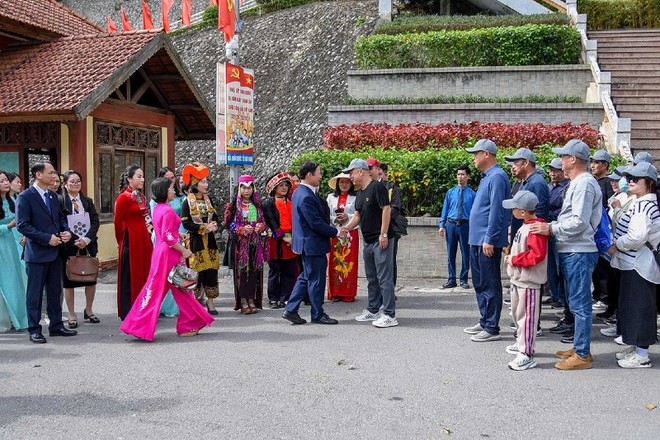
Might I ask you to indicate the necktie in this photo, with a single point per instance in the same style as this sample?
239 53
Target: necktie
47 201
460 205
76 207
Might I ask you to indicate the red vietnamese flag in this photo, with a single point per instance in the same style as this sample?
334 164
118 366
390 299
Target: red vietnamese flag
227 19
125 25
165 8
247 80
213 2
112 27
147 20
186 12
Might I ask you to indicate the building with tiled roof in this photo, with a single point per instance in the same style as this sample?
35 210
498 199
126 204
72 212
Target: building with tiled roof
91 101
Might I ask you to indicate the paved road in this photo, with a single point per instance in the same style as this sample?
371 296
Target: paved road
257 377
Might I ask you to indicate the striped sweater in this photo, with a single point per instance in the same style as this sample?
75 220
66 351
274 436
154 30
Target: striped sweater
637 226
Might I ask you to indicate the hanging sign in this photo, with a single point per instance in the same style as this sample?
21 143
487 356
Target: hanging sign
234 115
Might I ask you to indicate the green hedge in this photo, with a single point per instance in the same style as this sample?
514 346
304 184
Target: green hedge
617 14
429 23
504 46
423 176
463 99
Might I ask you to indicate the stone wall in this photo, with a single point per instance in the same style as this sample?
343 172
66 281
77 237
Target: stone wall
423 252
563 80
300 57
550 113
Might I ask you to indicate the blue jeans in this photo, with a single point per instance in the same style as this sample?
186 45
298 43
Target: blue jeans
577 269
487 281
378 269
554 275
458 234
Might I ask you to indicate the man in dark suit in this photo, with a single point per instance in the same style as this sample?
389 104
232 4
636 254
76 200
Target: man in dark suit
39 219
311 239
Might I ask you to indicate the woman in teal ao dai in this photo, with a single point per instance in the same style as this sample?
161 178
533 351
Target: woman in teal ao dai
13 311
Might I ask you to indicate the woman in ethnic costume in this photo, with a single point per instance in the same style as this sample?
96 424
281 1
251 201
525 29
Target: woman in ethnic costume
13 312
200 219
282 262
343 260
73 202
15 187
245 220
132 231
142 320
169 307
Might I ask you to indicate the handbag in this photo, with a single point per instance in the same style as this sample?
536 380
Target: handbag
183 277
82 268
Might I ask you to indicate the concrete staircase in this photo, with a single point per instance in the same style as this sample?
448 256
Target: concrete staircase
633 58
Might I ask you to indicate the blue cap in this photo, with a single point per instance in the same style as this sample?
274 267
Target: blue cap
643 156
642 169
555 163
523 199
574 147
522 153
483 145
601 156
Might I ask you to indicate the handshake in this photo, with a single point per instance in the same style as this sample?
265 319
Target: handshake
343 233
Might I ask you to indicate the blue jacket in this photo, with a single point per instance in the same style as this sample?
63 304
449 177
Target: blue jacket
534 183
311 223
489 221
37 225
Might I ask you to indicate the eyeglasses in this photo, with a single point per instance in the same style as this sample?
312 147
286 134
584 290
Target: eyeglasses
633 179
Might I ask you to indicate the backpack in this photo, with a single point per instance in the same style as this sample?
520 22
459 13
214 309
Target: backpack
603 235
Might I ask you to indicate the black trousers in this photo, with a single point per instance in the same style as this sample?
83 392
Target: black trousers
600 279
281 279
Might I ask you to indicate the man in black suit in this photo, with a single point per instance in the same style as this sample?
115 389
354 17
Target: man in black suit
39 219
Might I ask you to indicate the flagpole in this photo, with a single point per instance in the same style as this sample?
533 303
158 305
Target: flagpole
232 53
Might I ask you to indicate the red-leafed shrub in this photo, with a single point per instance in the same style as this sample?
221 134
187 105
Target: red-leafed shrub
416 137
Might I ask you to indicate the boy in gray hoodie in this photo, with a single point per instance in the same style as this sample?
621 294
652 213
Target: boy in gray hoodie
527 267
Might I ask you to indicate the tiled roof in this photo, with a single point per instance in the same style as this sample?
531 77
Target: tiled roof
47 15
56 77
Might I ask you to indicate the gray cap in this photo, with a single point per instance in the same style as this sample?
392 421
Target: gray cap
523 199
602 156
522 153
642 156
642 169
574 147
617 174
483 145
555 163
356 164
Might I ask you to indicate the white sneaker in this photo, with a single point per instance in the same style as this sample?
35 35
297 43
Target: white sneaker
385 321
473 330
366 315
625 352
512 349
599 305
635 361
539 332
619 340
484 336
522 362
610 332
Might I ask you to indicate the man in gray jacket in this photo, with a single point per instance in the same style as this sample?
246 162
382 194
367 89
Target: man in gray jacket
574 229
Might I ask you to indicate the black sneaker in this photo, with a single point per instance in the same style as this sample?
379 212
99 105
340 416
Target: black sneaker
568 339
273 305
449 285
556 305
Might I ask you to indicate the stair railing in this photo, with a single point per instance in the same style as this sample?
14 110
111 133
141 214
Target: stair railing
616 130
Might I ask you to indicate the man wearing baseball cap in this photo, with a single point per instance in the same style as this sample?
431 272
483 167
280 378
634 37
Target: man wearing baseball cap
488 235
574 229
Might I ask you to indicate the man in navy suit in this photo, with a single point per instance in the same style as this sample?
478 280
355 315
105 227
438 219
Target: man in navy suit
39 219
311 239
